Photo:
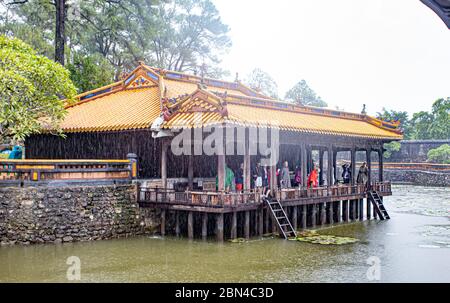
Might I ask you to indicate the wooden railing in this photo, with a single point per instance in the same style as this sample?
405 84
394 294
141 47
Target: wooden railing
416 166
52 170
222 199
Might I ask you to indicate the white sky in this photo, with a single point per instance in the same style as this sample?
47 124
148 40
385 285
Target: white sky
391 53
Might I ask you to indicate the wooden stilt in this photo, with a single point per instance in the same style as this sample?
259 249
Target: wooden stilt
313 215
345 210
177 223
204 226
330 213
339 211
234 225
256 226
361 209
368 209
163 222
219 227
323 214
267 217
261 222
294 217
190 223
304 217
355 210
247 225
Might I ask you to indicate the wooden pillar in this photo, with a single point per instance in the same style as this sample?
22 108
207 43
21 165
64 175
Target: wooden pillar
345 211
267 217
274 226
221 172
303 167
190 224
339 211
368 209
380 165
334 166
330 160
164 148
361 209
247 225
163 222
369 167
234 225
323 214
304 217
191 172
261 222
273 178
177 223
219 227
353 170
204 226
313 215
330 213
247 164
294 217
321 152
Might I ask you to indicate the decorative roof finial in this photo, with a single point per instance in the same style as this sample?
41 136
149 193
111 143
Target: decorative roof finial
141 62
363 112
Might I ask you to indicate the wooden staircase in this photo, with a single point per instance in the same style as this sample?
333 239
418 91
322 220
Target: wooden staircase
377 202
278 213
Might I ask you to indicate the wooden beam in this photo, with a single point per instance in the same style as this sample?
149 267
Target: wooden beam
163 222
204 226
234 225
177 223
219 227
247 225
294 217
190 225
164 148
304 217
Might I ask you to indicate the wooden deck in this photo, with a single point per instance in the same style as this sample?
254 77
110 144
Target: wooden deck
221 202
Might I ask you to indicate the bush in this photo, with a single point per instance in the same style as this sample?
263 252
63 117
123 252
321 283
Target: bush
391 147
440 154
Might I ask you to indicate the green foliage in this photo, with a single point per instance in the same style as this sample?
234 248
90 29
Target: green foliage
440 154
180 35
262 82
90 72
391 147
394 116
31 90
302 94
434 124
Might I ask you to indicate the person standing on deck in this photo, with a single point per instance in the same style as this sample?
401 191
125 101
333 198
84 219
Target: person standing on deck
313 177
298 176
285 176
346 173
240 178
258 175
363 174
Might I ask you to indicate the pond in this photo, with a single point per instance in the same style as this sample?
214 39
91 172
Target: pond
414 246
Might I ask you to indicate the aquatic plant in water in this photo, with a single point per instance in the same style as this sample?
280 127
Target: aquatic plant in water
315 238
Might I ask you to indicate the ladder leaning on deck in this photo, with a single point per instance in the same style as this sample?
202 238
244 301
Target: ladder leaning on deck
377 202
281 219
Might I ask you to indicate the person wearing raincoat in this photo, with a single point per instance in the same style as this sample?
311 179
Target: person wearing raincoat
313 178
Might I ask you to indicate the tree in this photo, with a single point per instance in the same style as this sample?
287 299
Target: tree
434 124
394 116
302 94
90 71
391 147
31 90
262 82
60 13
440 154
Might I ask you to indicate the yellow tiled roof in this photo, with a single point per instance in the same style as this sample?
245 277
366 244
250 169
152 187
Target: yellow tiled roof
135 102
126 109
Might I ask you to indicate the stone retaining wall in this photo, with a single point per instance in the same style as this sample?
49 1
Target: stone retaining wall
65 214
416 177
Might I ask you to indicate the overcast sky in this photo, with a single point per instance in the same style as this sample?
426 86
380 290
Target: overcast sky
384 53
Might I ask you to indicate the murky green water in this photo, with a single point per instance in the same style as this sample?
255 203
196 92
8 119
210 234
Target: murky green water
414 246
